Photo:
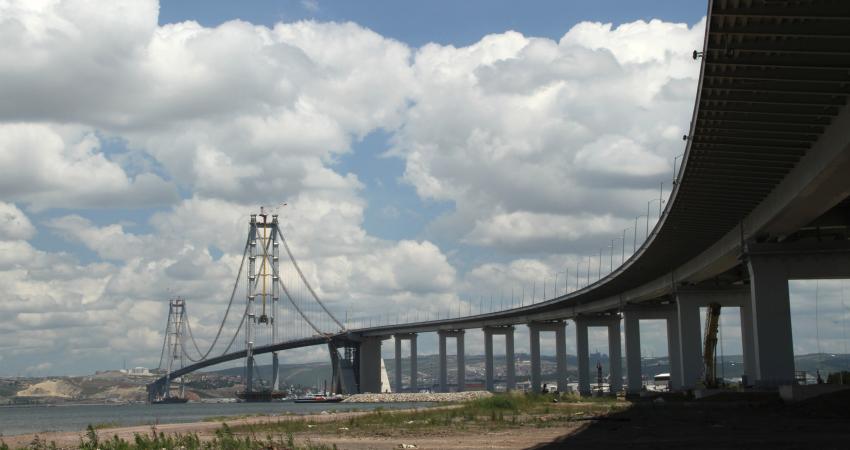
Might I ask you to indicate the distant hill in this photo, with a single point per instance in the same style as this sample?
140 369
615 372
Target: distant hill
309 374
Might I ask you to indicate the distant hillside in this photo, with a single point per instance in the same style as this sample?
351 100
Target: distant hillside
307 374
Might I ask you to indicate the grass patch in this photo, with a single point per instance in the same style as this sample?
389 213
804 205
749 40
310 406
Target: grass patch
225 439
501 411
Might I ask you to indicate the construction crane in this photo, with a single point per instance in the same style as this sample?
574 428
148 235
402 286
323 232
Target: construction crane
709 352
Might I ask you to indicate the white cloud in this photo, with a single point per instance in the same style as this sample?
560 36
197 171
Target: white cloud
46 166
14 224
514 126
541 231
310 5
237 116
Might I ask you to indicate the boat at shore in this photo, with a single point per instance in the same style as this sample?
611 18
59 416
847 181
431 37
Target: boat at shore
260 396
169 400
318 398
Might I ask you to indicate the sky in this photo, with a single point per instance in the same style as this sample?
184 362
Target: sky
433 156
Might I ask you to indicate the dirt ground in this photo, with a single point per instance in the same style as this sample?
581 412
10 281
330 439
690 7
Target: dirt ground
730 423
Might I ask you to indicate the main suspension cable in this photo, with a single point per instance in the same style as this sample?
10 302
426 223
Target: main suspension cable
226 312
276 274
304 279
165 339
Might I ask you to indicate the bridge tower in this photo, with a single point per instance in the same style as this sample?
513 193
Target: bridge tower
263 292
175 333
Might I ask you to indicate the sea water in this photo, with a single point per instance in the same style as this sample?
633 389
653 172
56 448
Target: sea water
37 419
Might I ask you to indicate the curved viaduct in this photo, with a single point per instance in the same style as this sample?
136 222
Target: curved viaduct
762 197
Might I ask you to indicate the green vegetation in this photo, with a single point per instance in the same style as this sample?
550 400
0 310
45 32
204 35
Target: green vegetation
499 412
488 414
224 439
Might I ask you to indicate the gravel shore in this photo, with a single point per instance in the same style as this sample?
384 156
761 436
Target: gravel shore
417 397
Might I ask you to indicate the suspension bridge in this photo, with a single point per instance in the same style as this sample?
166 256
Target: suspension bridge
761 197
266 323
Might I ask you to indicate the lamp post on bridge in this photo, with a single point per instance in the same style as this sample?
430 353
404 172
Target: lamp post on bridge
611 257
577 270
623 257
660 202
647 228
599 267
674 166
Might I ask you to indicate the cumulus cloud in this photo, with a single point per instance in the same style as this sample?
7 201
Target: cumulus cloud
14 224
540 231
541 146
514 126
46 166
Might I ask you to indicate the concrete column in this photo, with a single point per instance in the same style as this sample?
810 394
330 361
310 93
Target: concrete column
747 343
633 356
509 359
414 366
771 322
535 358
461 362
615 356
561 356
488 359
275 372
674 352
249 377
370 365
398 386
583 356
444 369
690 351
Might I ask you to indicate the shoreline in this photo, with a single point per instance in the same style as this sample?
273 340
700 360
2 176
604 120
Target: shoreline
204 429
417 397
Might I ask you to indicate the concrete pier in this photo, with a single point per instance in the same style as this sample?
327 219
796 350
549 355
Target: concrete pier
770 267
615 373
461 363
583 356
414 371
370 364
558 327
689 300
632 315
275 372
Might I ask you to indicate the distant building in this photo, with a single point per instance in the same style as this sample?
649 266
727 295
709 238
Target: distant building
138 372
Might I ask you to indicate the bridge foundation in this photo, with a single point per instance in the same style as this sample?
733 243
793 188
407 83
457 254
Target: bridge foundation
615 372
414 371
510 370
369 362
632 315
558 327
461 363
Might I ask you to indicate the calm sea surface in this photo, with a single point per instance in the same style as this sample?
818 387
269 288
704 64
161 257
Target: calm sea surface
36 419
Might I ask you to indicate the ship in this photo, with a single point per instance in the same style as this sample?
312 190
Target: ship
265 395
318 398
167 400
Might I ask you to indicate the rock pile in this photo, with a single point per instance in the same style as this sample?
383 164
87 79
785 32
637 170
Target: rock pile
399 397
